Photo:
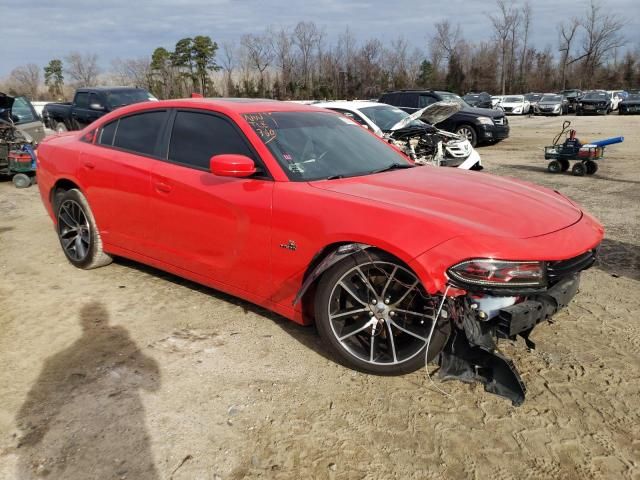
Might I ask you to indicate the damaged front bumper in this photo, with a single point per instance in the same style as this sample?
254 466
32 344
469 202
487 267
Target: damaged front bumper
471 353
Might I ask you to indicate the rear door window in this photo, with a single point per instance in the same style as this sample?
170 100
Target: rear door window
139 133
426 100
197 136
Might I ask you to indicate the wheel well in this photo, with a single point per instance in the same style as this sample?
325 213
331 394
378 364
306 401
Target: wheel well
307 299
60 186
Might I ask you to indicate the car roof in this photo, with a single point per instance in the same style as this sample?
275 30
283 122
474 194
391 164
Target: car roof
224 105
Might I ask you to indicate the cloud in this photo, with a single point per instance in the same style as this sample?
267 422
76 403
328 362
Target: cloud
35 31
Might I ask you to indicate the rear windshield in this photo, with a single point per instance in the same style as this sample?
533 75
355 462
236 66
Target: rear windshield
513 99
120 98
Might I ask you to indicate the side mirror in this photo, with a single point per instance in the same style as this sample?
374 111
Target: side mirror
232 165
96 106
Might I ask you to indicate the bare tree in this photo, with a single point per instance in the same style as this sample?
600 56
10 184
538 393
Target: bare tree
133 71
503 27
602 36
567 34
25 80
446 39
526 25
228 64
259 53
282 47
306 35
83 68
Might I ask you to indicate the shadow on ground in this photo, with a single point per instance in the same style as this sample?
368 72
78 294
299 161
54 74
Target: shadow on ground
83 417
620 259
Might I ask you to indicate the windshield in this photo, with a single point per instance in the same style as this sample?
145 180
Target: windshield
452 97
514 99
534 97
120 98
633 96
322 145
552 98
595 96
386 117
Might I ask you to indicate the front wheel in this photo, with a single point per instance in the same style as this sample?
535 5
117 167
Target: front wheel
77 231
375 316
61 127
469 133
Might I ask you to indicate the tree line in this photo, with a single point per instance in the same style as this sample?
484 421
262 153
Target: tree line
301 62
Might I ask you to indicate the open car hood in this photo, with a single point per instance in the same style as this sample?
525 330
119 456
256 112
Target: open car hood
434 113
6 102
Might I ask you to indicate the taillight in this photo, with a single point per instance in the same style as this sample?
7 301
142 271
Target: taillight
499 273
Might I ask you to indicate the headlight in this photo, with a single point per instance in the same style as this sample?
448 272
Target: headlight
485 120
579 104
556 108
486 272
517 109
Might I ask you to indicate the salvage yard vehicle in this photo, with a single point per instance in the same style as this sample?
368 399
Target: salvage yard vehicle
282 205
478 100
20 131
551 104
595 102
478 125
630 105
414 134
515 105
572 95
533 98
89 104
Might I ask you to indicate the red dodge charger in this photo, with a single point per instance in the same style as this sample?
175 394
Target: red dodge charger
306 213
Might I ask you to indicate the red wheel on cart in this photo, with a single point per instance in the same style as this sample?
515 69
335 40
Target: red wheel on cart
592 167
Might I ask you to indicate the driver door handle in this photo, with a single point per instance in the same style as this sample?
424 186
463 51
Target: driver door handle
163 187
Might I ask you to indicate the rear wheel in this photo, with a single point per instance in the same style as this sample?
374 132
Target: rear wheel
579 169
77 231
375 316
591 167
20 180
61 127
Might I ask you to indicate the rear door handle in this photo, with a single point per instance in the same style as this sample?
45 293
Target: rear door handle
163 187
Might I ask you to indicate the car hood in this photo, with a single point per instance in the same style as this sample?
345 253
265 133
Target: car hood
434 113
485 112
468 202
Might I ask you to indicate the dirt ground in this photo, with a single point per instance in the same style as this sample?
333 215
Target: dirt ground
126 372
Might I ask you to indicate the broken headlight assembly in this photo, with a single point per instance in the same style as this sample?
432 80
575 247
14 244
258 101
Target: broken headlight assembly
482 273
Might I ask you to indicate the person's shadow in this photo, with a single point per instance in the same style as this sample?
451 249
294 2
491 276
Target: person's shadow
83 418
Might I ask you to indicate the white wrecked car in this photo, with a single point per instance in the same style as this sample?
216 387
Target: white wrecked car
414 134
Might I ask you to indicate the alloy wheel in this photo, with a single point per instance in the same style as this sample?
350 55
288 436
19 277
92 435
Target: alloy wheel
379 313
74 230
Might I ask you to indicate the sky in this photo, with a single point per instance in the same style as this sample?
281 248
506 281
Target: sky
35 31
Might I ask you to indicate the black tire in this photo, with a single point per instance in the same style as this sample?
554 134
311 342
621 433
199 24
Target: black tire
395 351
468 132
20 180
554 166
77 231
60 127
591 166
565 164
579 169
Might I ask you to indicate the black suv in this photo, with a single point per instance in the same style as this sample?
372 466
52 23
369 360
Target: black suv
478 125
